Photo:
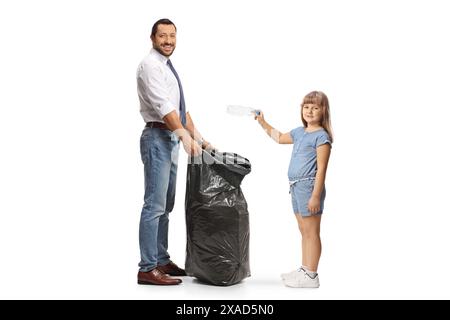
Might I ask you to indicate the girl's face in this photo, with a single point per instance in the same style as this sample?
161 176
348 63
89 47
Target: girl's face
312 113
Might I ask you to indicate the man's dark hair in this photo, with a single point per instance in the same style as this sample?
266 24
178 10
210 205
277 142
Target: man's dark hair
161 21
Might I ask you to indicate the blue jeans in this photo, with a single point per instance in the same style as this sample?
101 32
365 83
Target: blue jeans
159 153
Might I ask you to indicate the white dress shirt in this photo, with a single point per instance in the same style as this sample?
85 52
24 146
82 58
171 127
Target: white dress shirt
157 86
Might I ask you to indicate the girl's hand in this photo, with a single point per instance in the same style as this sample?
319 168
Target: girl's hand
314 204
259 117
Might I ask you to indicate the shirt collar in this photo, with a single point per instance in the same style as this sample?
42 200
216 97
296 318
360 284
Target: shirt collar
158 56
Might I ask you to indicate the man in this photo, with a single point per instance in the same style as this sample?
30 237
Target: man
163 108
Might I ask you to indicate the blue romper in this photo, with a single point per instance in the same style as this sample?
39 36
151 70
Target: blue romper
303 168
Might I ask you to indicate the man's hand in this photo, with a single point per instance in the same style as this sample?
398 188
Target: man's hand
191 147
208 146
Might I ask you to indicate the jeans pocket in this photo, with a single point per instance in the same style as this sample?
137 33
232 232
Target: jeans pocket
144 148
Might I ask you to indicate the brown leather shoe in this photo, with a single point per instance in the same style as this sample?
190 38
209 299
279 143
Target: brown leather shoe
156 277
172 269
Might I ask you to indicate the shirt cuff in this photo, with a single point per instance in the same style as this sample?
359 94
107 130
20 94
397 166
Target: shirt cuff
164 109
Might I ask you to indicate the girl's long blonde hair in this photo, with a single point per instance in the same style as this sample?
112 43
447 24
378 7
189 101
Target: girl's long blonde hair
319 98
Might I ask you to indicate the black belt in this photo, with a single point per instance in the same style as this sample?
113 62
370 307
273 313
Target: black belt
158 125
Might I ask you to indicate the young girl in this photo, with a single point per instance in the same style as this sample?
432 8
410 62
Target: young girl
307 169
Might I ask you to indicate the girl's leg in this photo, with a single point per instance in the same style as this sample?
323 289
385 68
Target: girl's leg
311 244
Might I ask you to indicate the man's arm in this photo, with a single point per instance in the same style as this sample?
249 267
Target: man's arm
195 134
174 124
152 88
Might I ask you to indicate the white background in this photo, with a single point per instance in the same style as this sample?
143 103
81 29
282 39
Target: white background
71 178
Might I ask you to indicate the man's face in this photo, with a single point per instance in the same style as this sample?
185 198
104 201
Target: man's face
165 39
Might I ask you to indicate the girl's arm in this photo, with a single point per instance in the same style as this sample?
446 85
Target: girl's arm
277 136
323 155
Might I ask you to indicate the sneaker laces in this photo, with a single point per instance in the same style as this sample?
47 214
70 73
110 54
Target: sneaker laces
307 273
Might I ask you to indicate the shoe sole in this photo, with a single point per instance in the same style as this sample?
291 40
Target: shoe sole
287 276
301 287
158 284
294 285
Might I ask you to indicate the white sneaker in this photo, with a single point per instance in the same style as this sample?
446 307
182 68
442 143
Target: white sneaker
291 274
302 280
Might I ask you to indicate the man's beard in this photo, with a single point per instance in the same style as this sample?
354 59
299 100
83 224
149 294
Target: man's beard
157 48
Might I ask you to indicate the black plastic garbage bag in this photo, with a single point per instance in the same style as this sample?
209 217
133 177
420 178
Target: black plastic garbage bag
217 223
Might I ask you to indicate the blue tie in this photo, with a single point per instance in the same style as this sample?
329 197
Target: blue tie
182 104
